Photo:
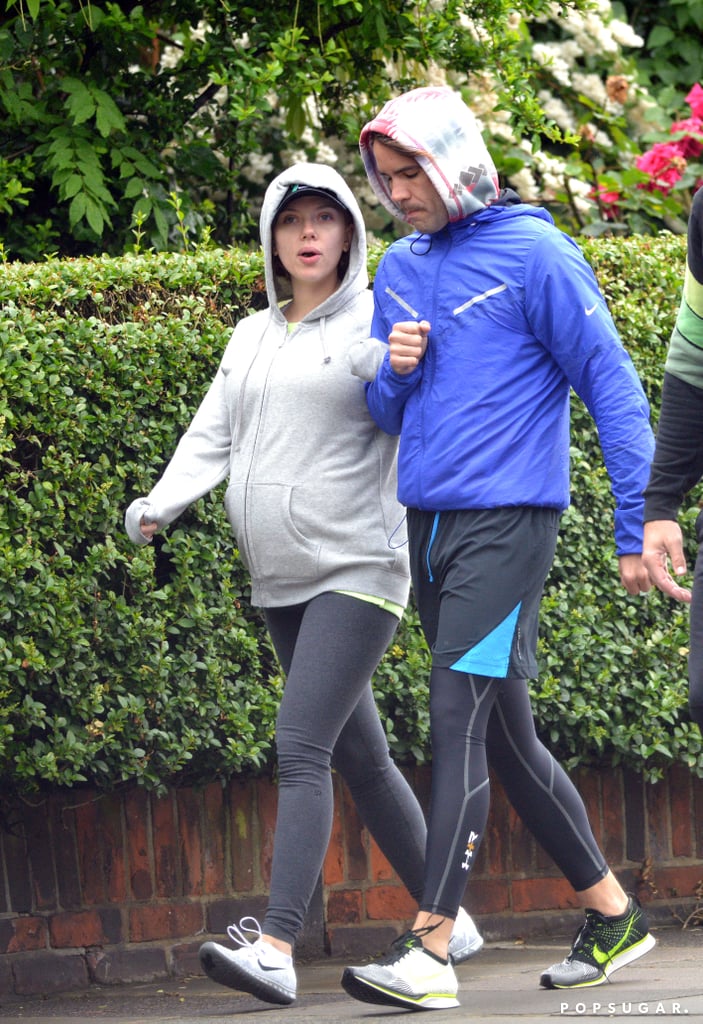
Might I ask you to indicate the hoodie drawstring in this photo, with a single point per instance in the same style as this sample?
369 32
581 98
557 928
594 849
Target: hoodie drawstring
428 555
326 357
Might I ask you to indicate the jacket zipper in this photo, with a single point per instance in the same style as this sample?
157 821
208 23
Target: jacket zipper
255 443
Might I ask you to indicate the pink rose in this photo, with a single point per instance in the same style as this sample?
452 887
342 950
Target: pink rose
607 202
664 164
695 100
692 145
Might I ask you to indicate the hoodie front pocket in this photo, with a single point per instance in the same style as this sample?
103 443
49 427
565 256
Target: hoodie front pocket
271 545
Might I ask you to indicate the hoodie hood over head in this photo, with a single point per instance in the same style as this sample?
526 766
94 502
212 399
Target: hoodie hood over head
315 177
435 125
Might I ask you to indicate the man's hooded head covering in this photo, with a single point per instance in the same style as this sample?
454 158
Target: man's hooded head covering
435 125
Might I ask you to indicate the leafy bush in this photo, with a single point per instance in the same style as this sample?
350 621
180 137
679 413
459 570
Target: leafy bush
105 674
170 116
120 663
167 119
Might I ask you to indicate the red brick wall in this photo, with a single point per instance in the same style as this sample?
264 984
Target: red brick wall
125 887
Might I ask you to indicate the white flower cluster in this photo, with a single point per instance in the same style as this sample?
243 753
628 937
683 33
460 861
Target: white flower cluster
558 57
476 31
595 31
588 40
259 167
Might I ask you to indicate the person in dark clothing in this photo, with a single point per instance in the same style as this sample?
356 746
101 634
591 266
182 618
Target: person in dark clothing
677 465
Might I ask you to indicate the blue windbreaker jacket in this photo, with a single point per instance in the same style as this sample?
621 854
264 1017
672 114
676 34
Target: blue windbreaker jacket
517 319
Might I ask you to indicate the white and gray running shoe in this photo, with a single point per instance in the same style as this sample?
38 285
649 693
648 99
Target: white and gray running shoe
410 976
257 967
466 940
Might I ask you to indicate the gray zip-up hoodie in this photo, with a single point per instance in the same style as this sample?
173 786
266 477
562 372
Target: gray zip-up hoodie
311 495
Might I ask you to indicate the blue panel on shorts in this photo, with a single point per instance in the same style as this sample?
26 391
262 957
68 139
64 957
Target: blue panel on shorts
491 656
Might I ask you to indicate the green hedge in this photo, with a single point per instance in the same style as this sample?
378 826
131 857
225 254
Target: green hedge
118 663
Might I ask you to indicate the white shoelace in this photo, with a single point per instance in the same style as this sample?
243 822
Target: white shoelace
236 932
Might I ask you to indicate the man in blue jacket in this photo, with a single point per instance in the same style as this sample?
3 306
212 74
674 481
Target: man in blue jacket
491 316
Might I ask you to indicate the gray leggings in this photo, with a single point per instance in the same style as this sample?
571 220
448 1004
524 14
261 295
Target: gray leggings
329 649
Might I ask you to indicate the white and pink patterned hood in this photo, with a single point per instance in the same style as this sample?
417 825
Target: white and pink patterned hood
436 126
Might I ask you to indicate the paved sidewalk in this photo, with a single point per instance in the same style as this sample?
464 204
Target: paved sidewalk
500 984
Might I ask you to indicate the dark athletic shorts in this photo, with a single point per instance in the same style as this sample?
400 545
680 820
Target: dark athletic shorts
478 576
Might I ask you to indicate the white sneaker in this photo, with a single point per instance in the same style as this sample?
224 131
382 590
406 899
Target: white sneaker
410 976
258 967
466 939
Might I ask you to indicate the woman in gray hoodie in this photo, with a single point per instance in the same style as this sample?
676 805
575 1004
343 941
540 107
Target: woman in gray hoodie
311 498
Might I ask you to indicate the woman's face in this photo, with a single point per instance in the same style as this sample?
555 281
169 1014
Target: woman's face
309 237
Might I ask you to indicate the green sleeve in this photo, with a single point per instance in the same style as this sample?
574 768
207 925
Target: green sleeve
685 356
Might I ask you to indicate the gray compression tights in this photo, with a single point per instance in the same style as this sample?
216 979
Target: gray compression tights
329 649
476 720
